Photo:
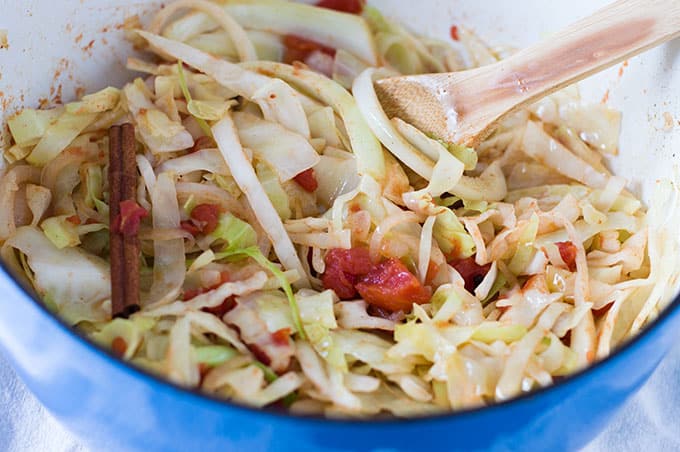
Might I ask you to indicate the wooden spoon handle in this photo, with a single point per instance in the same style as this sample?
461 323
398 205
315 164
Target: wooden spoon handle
463 107
617 32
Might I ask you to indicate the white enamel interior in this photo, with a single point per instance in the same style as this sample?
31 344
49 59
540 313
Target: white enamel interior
76 44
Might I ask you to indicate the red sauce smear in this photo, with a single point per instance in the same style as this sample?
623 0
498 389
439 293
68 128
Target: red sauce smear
454 33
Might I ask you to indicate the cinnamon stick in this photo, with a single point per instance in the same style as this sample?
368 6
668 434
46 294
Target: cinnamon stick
125 248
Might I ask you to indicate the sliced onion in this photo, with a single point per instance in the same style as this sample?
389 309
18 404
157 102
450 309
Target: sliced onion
226 136
204 160
379 123
237 34
11 182
168 268
425 248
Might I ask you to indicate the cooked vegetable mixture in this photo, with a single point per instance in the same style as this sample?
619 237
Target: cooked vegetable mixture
244 218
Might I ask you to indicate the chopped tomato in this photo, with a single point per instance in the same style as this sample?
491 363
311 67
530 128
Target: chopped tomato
343 270
298 48
190 227
118 346
74 220
131 214
203 143
204 219
568 254
206 216
307 180
454 33
390 286
472 273
281 337
345 6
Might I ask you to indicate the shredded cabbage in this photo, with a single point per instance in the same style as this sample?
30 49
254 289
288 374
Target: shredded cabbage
304 249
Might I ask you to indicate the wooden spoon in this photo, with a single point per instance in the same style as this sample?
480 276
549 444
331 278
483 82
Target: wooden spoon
463 107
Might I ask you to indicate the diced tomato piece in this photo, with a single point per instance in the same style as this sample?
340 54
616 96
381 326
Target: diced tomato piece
190 227
118 346
281 337
203 143
454 33
390 286
472 273
131 214
206 217
568 254
74 220
298 48
343 270
307 180
345 6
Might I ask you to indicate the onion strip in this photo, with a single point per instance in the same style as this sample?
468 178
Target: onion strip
229 145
